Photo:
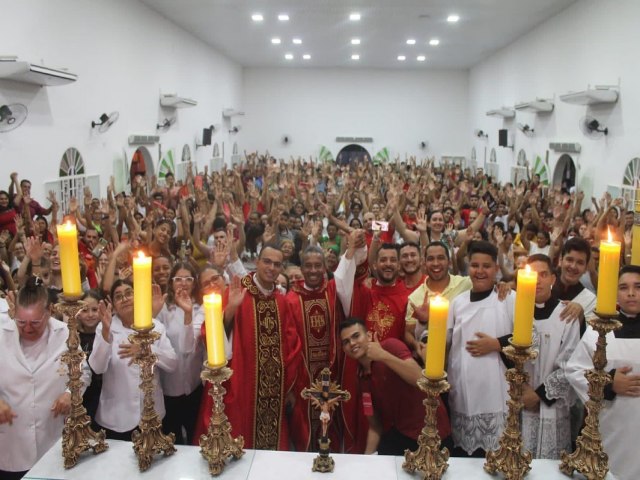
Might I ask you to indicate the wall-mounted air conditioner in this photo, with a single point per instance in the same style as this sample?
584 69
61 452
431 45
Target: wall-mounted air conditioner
592 95
231 112
504 112
20 71
565 147
172 100
143 139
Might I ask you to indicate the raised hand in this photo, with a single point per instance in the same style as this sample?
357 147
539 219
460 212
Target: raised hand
105 312
236 293
184 300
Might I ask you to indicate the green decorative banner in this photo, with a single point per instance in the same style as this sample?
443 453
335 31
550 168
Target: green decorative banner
540 168
167 165
325 155
382 156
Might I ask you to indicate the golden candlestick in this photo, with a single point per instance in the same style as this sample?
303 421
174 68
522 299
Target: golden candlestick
429 459
148 439
217 445
511 459
77 435
589 458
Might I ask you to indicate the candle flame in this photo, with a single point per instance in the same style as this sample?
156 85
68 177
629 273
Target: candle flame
609 234
527 268
141 254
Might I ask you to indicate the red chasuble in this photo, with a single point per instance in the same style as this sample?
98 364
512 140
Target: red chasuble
266 360
317 315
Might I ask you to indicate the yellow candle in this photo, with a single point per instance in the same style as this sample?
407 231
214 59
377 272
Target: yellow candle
437 339
212 304
608 276
525 304
635 234
69 259
142 291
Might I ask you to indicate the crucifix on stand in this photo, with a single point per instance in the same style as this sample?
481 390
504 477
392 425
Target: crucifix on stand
325 396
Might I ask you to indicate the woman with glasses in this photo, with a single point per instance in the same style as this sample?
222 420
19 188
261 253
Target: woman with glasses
121 400
33 396
182 317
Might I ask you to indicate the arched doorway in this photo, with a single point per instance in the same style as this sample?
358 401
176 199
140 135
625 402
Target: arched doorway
141 164
352 153
564 175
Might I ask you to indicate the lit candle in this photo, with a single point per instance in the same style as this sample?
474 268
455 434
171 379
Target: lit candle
635 234
525 304
214 328
69 259
608 276
142 291
437 339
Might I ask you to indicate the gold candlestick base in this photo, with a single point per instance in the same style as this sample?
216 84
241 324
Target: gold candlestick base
429 458
217 445
589 458
511 459
77 435
148 439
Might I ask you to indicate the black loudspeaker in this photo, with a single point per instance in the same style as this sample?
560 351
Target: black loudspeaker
503 134
206 136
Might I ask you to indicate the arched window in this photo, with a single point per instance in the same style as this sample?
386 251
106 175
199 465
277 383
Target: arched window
72 180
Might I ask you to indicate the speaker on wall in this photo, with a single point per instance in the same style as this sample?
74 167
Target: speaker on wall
503 134
206 136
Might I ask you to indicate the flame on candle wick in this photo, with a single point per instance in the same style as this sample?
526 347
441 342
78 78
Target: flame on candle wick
609 234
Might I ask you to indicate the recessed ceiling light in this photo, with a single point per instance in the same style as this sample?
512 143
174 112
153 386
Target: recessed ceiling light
283 17
306 56
257 17
453 18
411 41
434 42
276 41
297 41
288 56
355 56
355 41
354 17
421 58
402 58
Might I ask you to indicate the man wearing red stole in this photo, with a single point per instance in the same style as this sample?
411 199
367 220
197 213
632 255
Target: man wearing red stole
266 358
317 312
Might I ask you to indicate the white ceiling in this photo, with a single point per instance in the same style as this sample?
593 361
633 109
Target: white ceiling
324 27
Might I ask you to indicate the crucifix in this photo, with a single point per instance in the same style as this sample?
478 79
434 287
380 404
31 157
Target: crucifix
325 396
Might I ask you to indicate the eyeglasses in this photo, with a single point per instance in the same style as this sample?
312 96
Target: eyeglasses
211 282
183 279
122 296
34 323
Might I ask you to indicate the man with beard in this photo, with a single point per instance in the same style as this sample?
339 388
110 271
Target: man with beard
438 282
410 265
317 311
264 332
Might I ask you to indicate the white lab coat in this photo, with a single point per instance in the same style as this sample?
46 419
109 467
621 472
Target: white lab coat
31 394
121 400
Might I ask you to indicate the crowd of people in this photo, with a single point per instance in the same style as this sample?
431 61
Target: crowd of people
319 265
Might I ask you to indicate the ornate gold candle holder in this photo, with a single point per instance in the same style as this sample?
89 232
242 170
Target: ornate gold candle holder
148 439
217 445
77 435
511 459
429 459
589 458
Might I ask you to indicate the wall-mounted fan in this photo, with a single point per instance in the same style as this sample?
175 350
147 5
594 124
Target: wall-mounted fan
166 124
526 129
12 116
592 127
106 121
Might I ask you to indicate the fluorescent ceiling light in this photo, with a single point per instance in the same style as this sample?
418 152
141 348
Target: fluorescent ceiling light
421 58
288 56
434 42
297 41
306 56
354 17
453 18
257 17
276 41
402 58
283 17
355 56
411 41
355 41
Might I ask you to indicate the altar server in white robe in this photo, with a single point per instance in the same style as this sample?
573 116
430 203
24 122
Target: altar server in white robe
546 427
478 325
33 396
620 416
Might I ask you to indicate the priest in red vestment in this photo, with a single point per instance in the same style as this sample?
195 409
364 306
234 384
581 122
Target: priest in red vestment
266 357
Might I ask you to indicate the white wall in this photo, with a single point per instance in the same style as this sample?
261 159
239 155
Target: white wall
124 54
399 109
591 42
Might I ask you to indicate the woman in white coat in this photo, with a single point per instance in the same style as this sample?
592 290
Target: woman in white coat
121 400
33 396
